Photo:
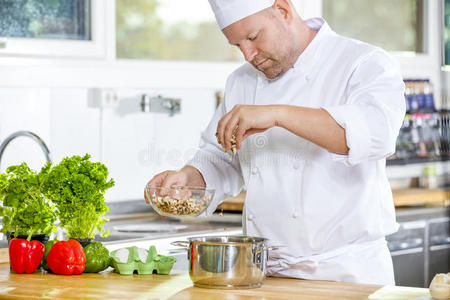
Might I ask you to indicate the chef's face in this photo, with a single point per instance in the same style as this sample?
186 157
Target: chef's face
265 39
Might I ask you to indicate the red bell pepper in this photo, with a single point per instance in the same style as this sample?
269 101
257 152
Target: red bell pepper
67 258
25 256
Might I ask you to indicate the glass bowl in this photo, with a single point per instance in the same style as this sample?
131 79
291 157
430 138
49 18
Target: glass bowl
179 201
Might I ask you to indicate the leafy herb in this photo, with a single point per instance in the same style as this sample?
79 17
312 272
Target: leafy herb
77 186
25 210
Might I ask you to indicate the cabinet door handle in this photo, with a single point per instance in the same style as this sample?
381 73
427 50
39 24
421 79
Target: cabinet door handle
407 251
439 247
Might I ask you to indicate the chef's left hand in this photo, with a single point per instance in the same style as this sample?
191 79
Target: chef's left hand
247 120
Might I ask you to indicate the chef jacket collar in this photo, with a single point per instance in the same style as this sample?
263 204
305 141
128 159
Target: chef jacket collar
311 55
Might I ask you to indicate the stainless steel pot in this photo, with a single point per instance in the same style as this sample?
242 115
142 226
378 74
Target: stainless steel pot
226 261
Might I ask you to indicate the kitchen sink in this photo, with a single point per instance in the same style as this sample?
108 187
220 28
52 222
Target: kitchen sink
116 237
131 232
150 227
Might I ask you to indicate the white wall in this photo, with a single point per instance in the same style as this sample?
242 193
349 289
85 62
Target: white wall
74 127
58 116
24 109
136 145
133 145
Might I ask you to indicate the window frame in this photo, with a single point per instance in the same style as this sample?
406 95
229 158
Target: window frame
442 37
426 64
35 47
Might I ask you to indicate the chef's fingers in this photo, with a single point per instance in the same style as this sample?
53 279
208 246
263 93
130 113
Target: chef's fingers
145 196
240 132
229 131
157 181
221 128
173 179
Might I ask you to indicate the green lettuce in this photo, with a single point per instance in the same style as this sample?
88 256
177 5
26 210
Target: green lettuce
77 186
25 210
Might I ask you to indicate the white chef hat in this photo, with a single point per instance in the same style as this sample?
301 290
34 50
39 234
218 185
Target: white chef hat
229 11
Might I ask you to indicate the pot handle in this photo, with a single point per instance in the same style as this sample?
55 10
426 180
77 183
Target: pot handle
270 248
184 244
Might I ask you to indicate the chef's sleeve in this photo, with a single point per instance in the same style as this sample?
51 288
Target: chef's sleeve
220 170
373 110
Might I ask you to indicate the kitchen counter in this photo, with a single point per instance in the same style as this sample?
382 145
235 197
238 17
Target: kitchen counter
109 285
402 197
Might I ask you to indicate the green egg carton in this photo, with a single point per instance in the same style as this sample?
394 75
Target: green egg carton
126 261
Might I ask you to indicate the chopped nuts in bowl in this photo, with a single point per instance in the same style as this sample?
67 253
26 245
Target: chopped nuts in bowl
179 201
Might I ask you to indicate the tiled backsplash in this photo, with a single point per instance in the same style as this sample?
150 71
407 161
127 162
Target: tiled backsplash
133 145
24 109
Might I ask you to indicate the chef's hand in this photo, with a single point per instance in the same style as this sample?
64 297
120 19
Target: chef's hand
187 176
246 120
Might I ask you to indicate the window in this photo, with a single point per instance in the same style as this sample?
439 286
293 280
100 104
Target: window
170 30
61 19
53 28
396 26
447 33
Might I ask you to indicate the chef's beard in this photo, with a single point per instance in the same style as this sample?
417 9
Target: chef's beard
277 67
273 71
280 63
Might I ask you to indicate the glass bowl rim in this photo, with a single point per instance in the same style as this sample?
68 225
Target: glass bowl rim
176 187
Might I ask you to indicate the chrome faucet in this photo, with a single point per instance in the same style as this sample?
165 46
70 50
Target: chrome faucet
32 135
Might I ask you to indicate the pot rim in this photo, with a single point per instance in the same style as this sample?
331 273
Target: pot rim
227 240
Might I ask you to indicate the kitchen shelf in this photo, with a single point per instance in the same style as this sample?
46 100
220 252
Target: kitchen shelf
418 196
416 160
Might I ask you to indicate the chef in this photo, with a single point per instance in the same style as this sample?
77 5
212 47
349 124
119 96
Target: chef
313 116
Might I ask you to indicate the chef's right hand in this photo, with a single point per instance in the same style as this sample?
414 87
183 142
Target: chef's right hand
187 176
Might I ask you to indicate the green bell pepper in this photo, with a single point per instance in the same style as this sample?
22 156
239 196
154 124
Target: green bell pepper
48 246
97 257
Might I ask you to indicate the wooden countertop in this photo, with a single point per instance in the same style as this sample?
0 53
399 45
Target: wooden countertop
402 197
109 285
414 196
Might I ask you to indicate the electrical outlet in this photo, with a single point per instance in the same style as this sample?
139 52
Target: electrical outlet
103 98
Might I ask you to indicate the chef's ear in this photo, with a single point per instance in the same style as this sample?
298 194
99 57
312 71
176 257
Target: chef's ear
285 8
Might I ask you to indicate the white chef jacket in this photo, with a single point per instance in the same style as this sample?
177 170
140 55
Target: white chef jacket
330 212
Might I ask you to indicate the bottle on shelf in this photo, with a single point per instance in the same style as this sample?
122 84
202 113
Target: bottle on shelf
425 133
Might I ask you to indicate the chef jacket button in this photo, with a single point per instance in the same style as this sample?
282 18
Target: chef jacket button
296 165
308 77
254 170
250 217
295 215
